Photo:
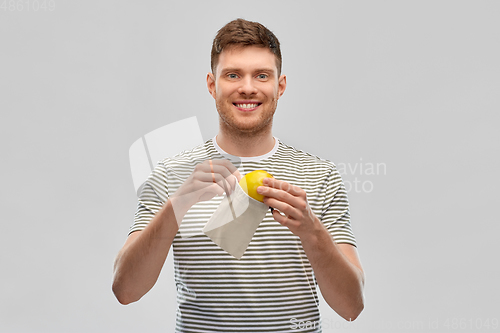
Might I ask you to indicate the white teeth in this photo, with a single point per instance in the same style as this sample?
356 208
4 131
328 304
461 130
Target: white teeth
247 106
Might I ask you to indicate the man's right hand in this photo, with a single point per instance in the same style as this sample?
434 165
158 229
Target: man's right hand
210 178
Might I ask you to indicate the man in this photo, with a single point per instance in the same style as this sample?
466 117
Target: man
306 239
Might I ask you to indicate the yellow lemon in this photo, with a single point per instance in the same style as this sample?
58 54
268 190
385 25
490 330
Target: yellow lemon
252 180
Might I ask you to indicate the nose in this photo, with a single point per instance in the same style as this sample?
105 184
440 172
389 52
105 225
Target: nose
247 86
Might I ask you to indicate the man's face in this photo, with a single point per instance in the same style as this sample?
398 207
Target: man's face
246 89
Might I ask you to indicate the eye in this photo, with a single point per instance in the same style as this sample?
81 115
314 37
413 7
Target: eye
232 76
262 76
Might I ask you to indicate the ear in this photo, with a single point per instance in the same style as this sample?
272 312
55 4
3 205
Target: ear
211 84
281 85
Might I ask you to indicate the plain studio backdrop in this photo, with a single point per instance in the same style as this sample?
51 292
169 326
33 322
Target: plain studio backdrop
402 95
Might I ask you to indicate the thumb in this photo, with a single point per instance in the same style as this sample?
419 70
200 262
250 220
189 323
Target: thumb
238 175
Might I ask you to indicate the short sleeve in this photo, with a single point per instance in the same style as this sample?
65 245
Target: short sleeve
335 211
153 195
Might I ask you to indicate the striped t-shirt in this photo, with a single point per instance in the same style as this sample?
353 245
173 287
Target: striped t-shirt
272 287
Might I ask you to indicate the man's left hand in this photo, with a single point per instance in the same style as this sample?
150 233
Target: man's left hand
290 200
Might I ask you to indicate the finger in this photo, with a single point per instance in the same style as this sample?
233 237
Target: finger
223 183
220 171
238 175
284 186
230 173
281 196
210 191
231 168
289 211
205 179
213 168
233 181
224 168
283 219
224 178
207 176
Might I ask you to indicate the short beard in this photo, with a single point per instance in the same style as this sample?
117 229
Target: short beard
264 125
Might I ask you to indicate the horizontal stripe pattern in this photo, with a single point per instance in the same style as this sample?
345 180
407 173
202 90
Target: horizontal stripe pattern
273 282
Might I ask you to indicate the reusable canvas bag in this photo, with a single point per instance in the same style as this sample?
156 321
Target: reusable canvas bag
233 224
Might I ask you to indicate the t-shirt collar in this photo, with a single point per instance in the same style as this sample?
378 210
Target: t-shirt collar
248 158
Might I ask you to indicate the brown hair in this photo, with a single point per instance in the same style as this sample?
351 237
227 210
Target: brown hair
241 32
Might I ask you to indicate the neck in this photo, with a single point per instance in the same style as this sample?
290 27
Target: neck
245 145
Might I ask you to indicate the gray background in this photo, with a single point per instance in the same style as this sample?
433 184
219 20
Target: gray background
410 85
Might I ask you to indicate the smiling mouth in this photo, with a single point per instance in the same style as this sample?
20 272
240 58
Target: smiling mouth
246 105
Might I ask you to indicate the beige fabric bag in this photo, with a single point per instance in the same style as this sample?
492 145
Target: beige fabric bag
234 222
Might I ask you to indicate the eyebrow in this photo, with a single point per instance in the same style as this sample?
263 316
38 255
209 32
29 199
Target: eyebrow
258 70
